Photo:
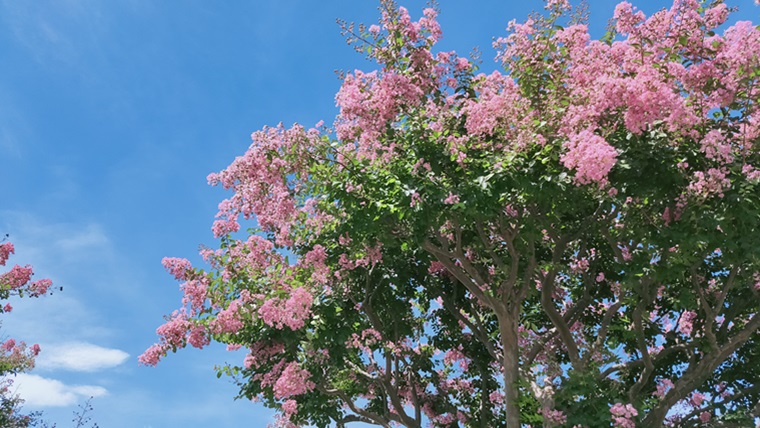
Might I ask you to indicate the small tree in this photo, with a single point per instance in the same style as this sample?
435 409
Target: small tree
570 243
16 357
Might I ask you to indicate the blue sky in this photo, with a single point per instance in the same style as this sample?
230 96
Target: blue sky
112 114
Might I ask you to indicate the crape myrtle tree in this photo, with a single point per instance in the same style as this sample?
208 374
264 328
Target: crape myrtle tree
570 242
16 357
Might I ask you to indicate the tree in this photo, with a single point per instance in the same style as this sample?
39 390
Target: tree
16 357
571 242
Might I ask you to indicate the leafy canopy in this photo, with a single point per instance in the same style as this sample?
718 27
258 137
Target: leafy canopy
570 242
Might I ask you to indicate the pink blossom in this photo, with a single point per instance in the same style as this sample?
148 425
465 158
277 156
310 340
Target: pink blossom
706 416
697 399
17 277
662 387
316 260
713 182
715 16
173 331
436 267
686 322
622 415
557 4
500 101
6 249
554 416
261 353
752 174
228 320
451 199
293 381
152 355
579 265
290 407
344 239
626 18
456 356
292 312
374 254
715 146
177 267
197 337
38 288
194 294
416 199
590 155
223 227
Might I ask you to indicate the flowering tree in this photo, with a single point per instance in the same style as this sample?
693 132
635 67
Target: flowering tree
15 357
572 242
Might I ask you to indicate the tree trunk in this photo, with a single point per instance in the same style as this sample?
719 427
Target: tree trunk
511 363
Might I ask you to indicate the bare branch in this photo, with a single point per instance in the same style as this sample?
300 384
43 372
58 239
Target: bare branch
700 370
645 374
547 302
470 283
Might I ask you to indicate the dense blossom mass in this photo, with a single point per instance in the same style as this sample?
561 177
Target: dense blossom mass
570 242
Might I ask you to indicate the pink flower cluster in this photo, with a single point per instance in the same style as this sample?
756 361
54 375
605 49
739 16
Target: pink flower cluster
622 415
293 381
455 355
263 183
194 294
366 341
173 335
500 102
177 267
261 353
38 288
590 155
228 320
17 277
293 312
663 386
713 182
557 4
316 259
554 416
6 249
16 356
368 102
173 331
686 322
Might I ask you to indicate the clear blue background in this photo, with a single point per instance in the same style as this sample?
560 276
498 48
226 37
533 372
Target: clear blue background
112 113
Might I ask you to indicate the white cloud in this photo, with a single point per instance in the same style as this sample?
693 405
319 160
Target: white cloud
38 391
91 238
81 357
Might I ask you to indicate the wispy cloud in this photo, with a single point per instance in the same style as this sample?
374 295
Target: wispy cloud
38 391
56 245
66 253
80 356
57 32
